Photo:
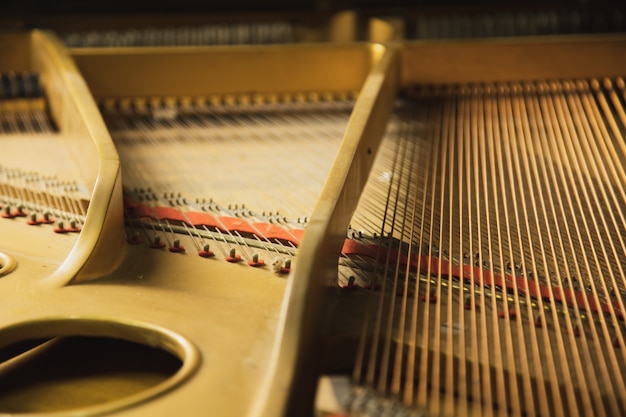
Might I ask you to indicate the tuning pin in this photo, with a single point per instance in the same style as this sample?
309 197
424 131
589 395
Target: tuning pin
74 226
177 247
19 212
233 257
206 252
47 218
256 262
286 268
6 212
157 243
32 220
351 282
279 268
60 228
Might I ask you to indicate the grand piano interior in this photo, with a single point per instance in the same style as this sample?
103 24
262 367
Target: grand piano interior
331 208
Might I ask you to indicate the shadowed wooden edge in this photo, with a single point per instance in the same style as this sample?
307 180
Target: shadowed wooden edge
99 248
290 384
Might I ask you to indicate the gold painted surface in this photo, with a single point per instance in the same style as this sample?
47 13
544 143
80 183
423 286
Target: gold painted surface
226 312
259 335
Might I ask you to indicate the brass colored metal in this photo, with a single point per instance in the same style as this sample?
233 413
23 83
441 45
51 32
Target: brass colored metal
225 313
218 71
253 337
82 139
97 29
488 200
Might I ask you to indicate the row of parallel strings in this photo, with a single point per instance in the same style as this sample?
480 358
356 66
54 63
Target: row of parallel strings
519 23
487 187
272 163
211 34
27 121
22 106
26 127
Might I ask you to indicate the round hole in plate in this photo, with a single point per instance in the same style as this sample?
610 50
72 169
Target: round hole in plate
87 366
7 264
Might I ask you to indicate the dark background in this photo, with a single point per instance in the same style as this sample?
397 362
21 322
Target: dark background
599 15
